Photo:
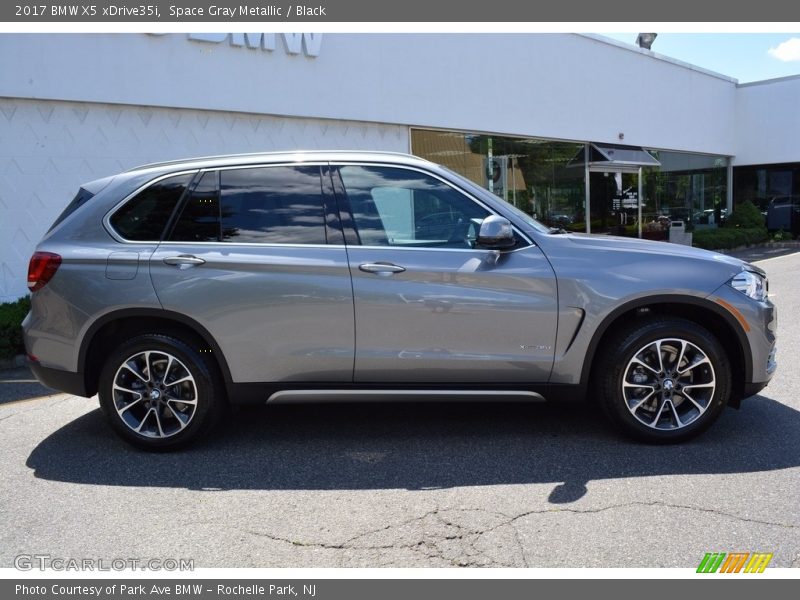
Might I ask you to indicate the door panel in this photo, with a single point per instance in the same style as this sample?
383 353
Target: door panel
277 313
454 316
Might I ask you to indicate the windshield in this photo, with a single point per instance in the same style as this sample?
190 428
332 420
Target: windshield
482 192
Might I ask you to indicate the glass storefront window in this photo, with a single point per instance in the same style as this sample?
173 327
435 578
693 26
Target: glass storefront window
534 175
547 180
775 190
686 187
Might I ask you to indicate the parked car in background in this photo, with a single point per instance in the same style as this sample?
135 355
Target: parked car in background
783 214
559 220
174 289
709 217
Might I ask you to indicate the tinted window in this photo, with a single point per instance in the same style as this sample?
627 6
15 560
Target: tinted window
279 205
401 207
79 200
143 218
199 219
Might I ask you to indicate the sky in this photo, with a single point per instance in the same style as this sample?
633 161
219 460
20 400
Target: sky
743 56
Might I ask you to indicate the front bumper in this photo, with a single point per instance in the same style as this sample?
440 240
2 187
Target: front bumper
758 322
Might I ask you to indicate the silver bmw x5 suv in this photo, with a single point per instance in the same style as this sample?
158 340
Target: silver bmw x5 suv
175 289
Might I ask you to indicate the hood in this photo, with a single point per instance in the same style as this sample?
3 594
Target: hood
625 244
627 266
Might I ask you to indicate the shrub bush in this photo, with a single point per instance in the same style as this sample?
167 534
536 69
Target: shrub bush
11 316
728 237
746 216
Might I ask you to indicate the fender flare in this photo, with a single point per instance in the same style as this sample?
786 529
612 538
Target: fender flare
679 299
127 313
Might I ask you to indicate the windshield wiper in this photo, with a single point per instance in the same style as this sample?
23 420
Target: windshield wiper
557 230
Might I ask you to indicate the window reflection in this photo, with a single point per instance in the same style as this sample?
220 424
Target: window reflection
402 207
536 176
279 205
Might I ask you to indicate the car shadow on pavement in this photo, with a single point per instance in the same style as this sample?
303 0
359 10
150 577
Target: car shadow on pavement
416 446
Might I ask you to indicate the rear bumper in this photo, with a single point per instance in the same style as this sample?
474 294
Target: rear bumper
63 381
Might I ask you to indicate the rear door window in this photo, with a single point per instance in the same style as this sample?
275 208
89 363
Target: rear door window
272 205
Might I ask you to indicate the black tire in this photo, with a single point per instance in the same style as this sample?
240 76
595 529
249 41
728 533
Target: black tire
181 413
617 376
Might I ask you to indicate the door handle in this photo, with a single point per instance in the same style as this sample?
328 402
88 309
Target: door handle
183 259
381 268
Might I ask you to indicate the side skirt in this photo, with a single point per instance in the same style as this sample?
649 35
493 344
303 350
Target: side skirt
295 393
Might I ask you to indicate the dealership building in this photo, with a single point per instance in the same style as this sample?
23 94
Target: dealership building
583 132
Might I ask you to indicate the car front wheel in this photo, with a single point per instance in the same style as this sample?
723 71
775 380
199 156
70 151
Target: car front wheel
663 380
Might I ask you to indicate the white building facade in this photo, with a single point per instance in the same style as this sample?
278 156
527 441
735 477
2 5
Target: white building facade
585 133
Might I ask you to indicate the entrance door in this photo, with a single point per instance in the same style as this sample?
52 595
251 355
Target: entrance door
614 202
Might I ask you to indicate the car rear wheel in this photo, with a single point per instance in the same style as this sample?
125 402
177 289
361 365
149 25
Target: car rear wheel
159 393
663 380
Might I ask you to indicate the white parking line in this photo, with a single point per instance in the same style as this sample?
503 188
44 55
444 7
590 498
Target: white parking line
27 400
777 257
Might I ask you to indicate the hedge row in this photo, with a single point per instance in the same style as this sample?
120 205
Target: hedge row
11 316
726 238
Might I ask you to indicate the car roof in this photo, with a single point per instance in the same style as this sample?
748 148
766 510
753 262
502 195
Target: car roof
298 156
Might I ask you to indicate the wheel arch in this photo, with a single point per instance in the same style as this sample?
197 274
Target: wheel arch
101 336
706 313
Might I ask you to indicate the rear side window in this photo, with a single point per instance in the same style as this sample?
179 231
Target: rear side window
144 217
268 205
79 200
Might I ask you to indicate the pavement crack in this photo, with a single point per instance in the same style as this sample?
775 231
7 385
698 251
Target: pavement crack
518 539
434 545
445 539
655 503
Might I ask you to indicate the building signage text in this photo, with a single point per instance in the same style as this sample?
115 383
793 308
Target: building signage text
294 43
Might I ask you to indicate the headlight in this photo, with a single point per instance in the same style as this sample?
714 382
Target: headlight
750 284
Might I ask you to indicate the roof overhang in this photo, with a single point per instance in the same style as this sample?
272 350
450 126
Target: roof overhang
613 157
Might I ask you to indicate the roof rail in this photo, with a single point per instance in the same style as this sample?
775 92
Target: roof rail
167 163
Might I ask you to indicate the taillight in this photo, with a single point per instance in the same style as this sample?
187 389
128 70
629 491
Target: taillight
41 269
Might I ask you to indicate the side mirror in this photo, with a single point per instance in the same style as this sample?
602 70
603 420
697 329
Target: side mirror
496 233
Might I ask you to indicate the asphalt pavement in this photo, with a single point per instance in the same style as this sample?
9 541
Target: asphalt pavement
409 484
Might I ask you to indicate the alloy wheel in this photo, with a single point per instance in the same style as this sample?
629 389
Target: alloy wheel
154 394
668 384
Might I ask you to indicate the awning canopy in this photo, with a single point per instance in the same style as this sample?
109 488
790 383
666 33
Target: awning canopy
614 156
